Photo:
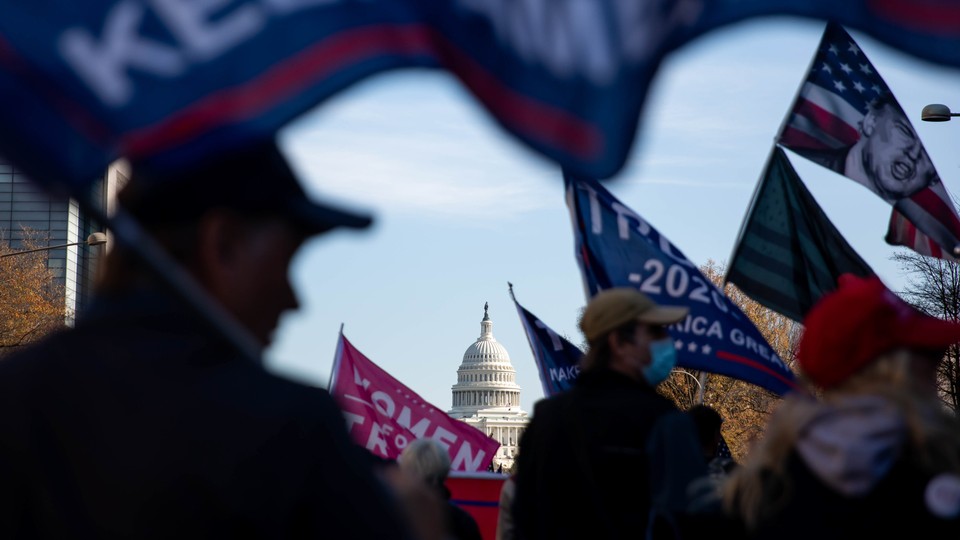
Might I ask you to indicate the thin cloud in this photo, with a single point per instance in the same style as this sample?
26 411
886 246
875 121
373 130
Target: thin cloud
406 178
379 151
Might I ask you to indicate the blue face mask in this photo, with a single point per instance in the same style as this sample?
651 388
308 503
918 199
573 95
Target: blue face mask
663 359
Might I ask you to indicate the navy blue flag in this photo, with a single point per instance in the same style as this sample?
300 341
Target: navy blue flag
615 247
166 81
557 359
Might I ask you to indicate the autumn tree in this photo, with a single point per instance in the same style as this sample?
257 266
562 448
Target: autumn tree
933 287
31 298
745 407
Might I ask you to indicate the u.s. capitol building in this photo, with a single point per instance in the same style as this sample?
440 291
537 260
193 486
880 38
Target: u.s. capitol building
487 395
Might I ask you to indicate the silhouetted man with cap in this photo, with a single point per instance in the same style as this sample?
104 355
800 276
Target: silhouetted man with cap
599 460
142 422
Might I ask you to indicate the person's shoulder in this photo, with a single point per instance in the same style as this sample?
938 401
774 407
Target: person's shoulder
646 400
663 404
549 405
464 526
277 395
33 359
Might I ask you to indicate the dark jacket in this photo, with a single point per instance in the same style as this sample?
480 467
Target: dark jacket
137 424
595 460
899 500
852 474
460 523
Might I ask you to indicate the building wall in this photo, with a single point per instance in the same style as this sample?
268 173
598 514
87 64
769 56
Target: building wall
53 220
506 427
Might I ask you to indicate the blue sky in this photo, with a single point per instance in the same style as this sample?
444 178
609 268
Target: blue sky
461 208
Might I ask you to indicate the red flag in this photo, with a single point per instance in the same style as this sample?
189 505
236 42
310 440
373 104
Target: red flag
846 118
383 415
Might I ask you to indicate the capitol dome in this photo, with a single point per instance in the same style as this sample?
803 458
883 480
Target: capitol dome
486 378
487 395
486 350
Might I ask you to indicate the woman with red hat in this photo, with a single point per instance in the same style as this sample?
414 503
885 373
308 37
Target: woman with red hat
877 451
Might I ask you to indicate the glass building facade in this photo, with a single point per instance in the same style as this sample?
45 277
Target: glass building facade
28 211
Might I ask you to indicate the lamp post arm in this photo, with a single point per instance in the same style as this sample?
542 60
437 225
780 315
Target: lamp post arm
41 249
696 380
95 239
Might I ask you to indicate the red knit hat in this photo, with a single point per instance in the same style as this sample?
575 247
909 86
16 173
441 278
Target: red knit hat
848 328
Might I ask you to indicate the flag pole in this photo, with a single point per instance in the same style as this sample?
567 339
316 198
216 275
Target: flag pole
337 359
571 199
746 216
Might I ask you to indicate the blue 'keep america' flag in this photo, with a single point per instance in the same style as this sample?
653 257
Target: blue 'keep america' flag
615 247
557 359
84 83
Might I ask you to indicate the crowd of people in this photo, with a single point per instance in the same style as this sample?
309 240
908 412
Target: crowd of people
146 421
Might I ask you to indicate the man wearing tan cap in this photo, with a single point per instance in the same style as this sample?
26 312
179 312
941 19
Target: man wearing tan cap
595 461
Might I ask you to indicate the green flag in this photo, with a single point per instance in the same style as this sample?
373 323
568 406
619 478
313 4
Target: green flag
789 254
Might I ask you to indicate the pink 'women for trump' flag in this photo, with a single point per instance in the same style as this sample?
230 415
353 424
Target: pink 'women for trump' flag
383 415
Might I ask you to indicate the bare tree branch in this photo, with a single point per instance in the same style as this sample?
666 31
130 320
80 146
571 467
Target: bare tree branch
933 287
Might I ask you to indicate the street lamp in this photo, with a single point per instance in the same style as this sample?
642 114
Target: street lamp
936 112
696 380
95 239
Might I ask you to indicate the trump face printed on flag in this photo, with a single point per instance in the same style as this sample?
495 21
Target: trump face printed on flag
887 157
889 154
847 119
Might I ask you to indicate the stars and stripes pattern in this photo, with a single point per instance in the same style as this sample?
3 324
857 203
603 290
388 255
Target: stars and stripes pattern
789 254
723 451
831 104
834 97
901 232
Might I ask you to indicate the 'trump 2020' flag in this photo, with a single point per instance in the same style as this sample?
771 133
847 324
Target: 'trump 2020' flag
615 247
789 254
383 415
846 118
558 360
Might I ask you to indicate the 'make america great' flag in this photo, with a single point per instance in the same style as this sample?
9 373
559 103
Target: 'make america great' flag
615 247
383 415
825 121
558 360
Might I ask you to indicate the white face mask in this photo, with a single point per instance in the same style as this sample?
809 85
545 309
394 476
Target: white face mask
663 358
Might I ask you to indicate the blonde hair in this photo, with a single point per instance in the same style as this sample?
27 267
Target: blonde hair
759 488
427 460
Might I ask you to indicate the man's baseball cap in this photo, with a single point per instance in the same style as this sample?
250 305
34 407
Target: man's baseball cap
612 308
255 179
850 327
